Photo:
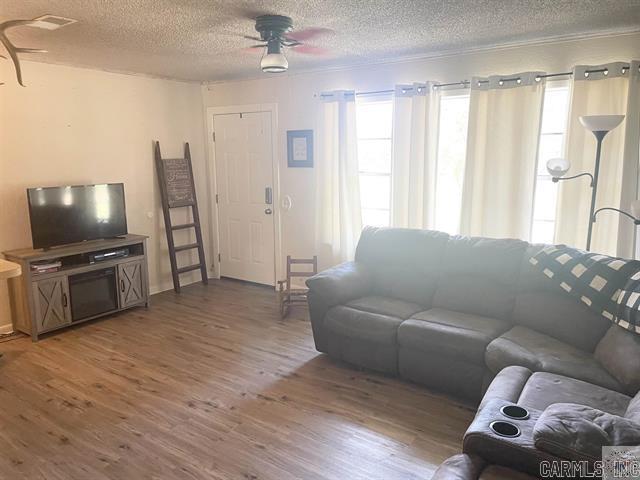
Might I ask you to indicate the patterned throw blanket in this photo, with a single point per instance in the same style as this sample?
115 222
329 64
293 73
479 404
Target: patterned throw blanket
607 285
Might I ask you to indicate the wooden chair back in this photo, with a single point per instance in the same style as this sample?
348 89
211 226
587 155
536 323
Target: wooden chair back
288 295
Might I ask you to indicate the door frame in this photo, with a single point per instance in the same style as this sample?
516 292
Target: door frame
213 186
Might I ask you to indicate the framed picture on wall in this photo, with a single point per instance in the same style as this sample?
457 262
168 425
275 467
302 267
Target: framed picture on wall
300 148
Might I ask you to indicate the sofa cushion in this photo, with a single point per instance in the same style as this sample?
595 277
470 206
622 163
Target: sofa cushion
633 410
561 317
479 276
578 432
619 353
460 335
539 352
366 326
362 338
404 263
544 389
385 306
544 307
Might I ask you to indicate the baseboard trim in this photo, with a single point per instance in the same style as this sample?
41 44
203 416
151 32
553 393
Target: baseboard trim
168 285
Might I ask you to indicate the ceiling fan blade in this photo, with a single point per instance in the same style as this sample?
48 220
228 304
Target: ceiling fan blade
310 50
308 33
290 43
249 37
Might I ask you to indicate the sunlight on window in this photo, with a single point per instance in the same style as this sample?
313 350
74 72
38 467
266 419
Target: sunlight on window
552 137
452 148
374 120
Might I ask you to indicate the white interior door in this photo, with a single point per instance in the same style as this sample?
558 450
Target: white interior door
244 177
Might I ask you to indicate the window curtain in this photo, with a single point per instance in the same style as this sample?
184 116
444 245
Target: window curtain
339 216
415 136
502 144
597 93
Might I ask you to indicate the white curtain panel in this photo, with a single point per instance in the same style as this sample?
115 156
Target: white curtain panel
415 137
597 93
339 216
502 144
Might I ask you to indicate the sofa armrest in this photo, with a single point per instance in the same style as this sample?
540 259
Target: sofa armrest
578 432
507 385
341 283
334 286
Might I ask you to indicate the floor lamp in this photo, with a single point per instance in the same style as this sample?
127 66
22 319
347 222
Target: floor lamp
599 125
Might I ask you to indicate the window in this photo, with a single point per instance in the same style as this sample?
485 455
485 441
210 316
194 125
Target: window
374 120
452 149
553 130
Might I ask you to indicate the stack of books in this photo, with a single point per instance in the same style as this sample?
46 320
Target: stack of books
46 266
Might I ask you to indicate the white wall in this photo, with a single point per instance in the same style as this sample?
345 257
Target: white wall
75 126
79 126
296 97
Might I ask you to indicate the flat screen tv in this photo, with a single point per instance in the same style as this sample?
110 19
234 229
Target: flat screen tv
61 215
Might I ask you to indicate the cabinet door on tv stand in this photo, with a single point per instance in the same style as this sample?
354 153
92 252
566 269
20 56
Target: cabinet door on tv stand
51 303
131 285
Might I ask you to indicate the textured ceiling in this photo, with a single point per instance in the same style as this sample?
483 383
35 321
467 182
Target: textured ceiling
202 39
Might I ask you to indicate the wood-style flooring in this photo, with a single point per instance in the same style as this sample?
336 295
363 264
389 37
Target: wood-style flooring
211 384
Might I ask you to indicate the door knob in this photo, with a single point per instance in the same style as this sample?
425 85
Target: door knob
268 211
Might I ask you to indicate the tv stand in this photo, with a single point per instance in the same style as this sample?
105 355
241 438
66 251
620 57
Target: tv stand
42 302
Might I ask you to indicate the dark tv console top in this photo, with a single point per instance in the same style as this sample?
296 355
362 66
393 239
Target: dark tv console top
42 302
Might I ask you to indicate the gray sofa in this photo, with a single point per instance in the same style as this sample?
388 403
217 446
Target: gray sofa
472 317
450 312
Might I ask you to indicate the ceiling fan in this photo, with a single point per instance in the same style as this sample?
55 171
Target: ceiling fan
276 34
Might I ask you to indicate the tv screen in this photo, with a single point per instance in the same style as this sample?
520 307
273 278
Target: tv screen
61 215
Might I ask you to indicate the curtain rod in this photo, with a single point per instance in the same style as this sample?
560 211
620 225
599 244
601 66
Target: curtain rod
466 83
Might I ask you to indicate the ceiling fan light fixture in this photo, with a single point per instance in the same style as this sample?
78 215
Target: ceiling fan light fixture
274 60
274 63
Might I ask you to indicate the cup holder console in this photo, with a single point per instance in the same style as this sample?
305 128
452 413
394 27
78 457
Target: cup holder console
504 429
502 433
515 411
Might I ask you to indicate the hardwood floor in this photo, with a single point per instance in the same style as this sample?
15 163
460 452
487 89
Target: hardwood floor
211 384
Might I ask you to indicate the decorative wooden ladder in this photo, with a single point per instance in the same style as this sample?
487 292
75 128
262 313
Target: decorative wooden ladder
177 190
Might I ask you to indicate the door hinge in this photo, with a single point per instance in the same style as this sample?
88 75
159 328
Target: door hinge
219 258
216 198
240 115
213 134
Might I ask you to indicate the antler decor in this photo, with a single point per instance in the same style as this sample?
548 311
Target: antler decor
12 49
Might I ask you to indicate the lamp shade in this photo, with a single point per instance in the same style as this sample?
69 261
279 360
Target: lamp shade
635 208
601 123
557 167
